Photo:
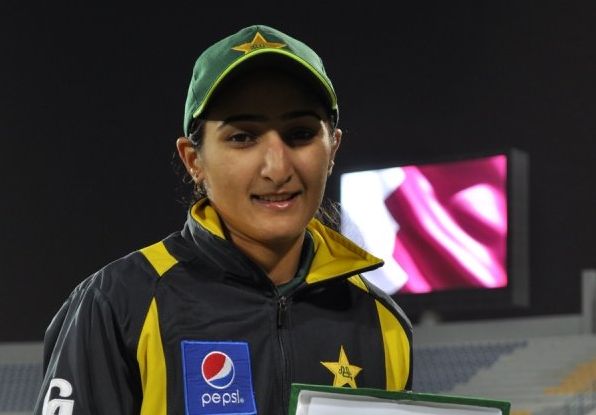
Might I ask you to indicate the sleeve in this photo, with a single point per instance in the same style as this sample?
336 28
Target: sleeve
87 369
396 331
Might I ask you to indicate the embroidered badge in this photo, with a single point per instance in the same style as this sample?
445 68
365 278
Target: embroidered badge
258 42
217 378
344 372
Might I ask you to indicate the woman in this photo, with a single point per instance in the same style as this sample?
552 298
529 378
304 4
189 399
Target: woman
253 294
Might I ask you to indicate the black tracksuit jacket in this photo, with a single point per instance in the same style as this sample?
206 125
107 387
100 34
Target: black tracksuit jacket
190 325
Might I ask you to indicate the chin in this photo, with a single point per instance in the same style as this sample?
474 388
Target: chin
272 234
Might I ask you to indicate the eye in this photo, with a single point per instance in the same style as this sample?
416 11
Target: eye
299 136
241 139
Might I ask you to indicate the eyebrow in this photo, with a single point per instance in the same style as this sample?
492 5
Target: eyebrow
261 118
301 113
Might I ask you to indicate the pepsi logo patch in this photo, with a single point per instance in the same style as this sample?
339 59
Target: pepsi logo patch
218 370
217 378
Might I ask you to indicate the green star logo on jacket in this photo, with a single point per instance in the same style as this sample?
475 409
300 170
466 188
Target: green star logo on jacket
342 370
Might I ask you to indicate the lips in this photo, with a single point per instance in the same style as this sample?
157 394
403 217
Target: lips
277 200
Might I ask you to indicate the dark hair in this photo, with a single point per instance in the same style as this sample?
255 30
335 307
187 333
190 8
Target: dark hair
197 191
328 212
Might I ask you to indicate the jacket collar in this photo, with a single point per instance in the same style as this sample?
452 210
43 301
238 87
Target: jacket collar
334 254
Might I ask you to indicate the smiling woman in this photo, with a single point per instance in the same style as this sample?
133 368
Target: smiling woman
263 164
254 293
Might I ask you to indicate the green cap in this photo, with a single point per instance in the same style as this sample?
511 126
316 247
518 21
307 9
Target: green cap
221 58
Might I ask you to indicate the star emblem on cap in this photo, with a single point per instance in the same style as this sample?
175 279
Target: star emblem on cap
258 42
344 372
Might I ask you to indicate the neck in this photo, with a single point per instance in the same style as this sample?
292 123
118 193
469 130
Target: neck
280 260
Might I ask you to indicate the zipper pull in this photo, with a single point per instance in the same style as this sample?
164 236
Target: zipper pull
281 310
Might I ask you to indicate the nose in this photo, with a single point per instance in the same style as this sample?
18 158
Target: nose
277 163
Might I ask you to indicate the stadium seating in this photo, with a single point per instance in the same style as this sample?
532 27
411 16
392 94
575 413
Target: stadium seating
19 386
539 376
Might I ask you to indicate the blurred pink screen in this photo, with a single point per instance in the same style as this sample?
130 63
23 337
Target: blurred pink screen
437 226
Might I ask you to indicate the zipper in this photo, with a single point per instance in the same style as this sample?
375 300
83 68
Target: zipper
282 306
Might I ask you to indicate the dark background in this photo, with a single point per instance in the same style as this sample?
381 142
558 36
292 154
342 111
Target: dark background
92 101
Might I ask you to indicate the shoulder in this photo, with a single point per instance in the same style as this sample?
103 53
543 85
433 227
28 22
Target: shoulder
119 293
120 278
135 272
126 283
383 300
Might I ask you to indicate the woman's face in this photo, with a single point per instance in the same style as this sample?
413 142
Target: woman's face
265 157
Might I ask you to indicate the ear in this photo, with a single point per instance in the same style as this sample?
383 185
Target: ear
191 158
335 142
